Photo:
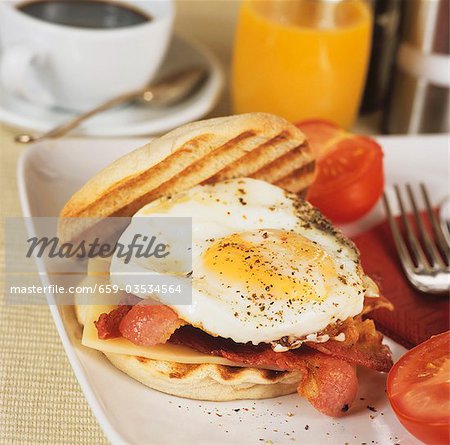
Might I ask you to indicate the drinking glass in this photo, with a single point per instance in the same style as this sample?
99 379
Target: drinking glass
302 59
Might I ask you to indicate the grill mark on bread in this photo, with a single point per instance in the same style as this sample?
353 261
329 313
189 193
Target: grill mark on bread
273 375
295 181
250 162
191 175
232 372
298 187
182 370
193 167
298 179
304 169
129 185
290 162
177 370
156 169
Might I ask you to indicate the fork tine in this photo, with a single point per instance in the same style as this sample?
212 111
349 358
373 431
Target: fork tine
416 248
437 230
429 245
445 227
402 251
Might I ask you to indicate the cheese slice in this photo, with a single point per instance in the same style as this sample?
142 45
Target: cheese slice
167 352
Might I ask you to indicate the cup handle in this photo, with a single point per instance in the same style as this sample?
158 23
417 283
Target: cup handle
16 68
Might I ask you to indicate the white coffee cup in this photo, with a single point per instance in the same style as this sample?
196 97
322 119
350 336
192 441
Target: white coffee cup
78 68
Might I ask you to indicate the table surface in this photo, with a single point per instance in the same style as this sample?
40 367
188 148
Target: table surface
40 399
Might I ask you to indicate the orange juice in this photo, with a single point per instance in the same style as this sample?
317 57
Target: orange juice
302 59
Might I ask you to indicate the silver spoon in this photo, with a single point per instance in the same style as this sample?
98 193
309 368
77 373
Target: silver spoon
165 92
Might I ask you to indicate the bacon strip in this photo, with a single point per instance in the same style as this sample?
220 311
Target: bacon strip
362 346
149 325
108 324
329 384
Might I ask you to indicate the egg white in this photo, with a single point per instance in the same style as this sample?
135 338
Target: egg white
311 276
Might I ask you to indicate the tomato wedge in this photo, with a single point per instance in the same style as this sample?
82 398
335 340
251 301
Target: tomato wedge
418 387
350 176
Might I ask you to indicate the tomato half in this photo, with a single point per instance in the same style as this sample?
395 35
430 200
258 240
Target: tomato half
418 387
350 176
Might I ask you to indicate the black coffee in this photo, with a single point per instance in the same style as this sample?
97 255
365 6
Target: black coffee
85 13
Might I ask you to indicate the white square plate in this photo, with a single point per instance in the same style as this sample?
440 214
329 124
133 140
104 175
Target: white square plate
48 173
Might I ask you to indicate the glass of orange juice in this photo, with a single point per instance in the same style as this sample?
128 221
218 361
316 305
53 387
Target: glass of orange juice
302 59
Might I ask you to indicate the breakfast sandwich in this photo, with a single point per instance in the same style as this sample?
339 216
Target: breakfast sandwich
279 297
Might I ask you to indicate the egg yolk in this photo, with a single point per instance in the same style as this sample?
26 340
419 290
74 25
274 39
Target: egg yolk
272 263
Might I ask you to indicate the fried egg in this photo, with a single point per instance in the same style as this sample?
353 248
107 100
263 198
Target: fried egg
266 265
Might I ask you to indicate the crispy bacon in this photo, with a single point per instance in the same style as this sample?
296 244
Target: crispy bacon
149 324
108 324
362 346
329 383
334 329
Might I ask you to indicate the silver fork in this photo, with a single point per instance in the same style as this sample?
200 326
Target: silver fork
425 262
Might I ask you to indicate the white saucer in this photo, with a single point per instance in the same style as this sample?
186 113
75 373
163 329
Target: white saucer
133 119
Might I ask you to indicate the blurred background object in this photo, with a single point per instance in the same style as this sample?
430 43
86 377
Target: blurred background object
419 92
302 59
384 44
54 67
214 23
74 55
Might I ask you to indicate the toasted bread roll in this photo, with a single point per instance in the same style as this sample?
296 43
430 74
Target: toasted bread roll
207 381
257 145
